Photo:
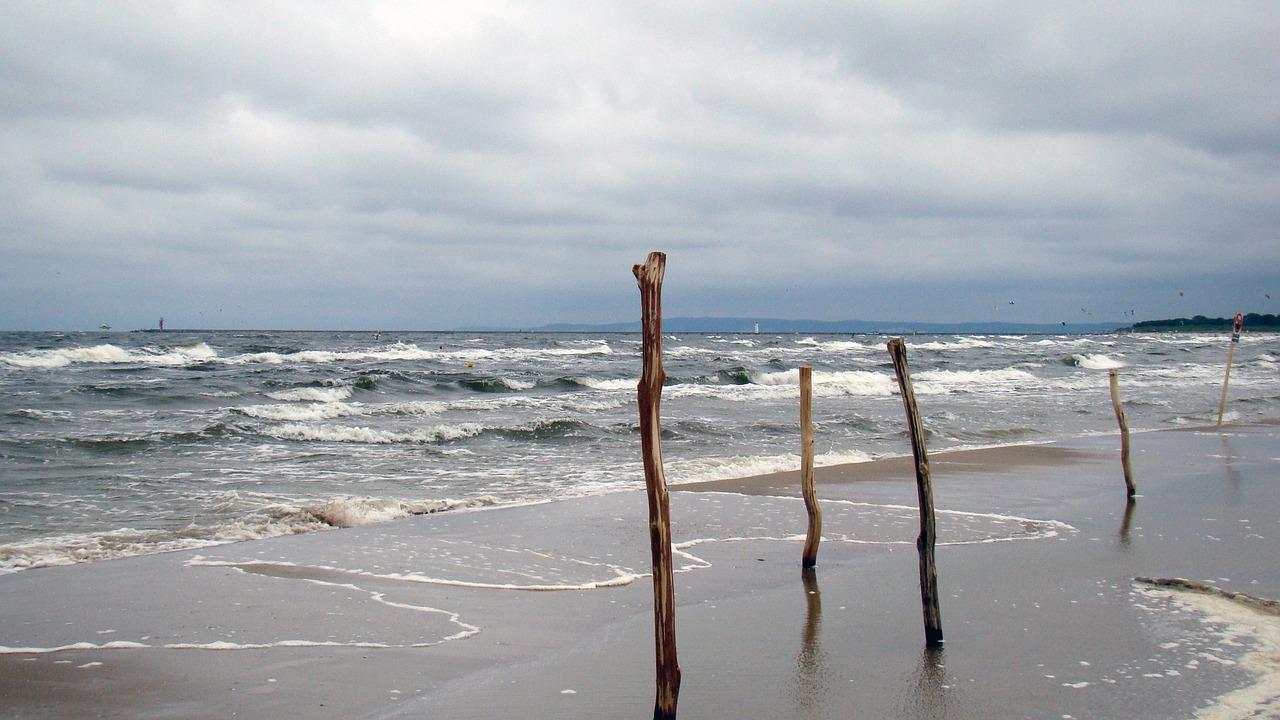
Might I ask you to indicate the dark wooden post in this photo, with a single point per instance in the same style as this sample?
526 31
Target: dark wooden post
649 276
924 487
1124 433
814 536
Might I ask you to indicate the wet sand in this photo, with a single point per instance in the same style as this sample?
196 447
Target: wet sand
537 611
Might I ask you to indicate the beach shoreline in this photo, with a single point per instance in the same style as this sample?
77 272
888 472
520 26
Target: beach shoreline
544 610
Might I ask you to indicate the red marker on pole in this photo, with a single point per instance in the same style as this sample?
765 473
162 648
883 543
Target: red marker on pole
1235 340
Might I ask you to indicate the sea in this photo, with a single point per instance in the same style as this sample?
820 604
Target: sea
126 443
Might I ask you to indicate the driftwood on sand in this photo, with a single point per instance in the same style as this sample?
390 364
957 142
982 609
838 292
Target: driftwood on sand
1271 607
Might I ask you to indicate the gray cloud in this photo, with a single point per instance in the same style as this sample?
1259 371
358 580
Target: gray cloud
433 165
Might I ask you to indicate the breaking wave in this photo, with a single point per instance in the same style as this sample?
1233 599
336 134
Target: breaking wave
1093 362
107 354
256 522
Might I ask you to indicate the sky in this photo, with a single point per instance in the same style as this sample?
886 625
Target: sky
442 165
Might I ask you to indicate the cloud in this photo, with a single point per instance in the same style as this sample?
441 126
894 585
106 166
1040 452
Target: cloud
397 164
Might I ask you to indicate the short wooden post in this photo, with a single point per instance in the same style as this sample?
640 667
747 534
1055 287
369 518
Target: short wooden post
1124 433
814 536
924 487
649 277
1231 353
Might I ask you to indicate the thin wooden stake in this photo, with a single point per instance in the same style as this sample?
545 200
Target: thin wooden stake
649 277
1235 340
924 488
814 535
1124 433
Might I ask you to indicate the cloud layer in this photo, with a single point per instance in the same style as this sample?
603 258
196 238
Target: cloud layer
437 165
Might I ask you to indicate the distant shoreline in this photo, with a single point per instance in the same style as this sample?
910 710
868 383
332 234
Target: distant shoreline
1200 323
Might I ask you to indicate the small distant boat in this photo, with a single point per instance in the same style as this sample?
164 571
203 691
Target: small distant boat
104 326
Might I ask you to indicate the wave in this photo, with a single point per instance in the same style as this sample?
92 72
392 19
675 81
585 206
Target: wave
200 352
496 384
961 343
1093 362
108 443
938 382
108 354
365 435
400 352
36 414
742 466
346 512
862 383
741 383
256 522
331 410
836 345
611 384
313 394
548 430
535 431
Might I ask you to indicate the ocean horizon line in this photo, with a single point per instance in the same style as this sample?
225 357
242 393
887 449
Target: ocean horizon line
697 324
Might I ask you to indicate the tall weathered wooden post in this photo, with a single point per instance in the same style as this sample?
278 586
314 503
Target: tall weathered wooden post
924 487
1231 353
814 535
649 276
1124 433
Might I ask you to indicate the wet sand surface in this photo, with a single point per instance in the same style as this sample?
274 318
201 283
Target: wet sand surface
537 611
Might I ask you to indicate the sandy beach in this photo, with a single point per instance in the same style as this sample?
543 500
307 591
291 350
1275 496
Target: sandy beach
544 610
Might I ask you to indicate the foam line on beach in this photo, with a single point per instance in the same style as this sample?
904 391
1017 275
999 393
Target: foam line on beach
280 571
216 645
378 597
849 521
1241 619
298 572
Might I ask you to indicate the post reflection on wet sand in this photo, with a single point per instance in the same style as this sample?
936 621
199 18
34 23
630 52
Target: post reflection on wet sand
810 685
929 695
1127 523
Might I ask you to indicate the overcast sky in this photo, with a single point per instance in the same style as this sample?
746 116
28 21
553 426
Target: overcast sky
435 165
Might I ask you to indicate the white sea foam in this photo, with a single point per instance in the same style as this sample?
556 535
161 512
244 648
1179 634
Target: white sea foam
108 354
89 547
312 394
517 385
257 517
1095 362
874 384
304 413
856 383
335 409
1262 697
344 434
785 383
598 384
836 345
962 343
784 377
348 512
725 468
935 382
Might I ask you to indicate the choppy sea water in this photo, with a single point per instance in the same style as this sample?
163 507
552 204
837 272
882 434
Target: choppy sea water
121 443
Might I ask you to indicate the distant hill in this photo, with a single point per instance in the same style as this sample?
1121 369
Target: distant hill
1200 323
856 327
